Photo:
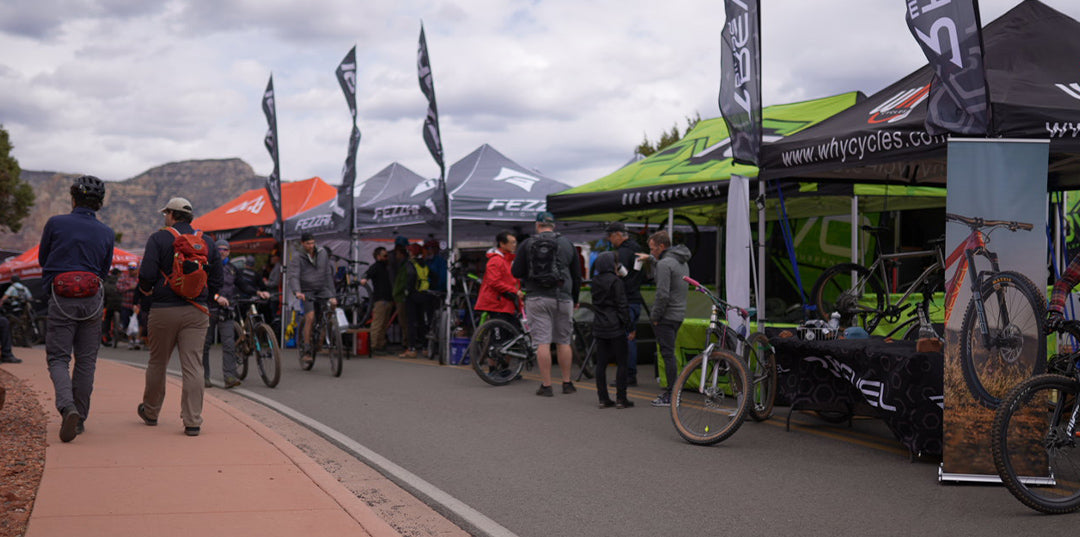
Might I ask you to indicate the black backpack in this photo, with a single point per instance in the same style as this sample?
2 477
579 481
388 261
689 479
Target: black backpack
545 269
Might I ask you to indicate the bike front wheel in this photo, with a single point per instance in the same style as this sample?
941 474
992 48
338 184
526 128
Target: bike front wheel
268 357
858 301
1015 343
1036 452
335 349
710 399
761 366
498 352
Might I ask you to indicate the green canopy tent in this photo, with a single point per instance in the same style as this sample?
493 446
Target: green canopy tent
692 175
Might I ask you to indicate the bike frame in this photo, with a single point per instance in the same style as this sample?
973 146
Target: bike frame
718 304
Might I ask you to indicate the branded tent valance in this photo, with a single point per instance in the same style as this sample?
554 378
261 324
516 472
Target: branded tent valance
247 220
25 265
1032 56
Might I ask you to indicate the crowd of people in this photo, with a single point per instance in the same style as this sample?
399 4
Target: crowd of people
180 295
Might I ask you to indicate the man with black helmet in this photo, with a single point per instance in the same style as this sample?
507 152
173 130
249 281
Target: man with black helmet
75 254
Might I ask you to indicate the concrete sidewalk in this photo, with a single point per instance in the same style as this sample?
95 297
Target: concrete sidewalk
123 478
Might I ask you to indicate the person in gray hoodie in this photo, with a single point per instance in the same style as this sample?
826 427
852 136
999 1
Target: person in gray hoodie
669 306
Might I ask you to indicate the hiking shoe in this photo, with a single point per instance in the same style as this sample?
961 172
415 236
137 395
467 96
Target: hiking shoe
231 382
606 404
69 425
568 387
545 391
623 404
142 414
191 431
663 399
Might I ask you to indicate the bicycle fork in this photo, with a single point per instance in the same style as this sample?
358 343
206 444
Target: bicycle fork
976 293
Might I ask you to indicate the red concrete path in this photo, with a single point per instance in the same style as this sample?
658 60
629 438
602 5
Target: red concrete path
123 478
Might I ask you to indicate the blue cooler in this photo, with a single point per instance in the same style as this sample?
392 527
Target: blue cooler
459 347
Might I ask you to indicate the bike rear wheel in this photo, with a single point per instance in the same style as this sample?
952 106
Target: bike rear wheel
335 349
243 351
1015 309
1035 452
761 365
709 399
498 352
859 301
268 357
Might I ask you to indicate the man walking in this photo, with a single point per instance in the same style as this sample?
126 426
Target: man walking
75 253
669 306
176 321
382 298
550 273
311 279
627 251
221 324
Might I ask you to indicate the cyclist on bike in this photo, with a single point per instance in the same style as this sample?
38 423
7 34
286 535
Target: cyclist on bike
310 279
1055 312
221 325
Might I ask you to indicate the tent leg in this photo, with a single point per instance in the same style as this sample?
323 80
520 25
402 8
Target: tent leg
761 259
855 229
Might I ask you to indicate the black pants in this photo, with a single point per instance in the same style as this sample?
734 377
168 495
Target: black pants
419 309
611 350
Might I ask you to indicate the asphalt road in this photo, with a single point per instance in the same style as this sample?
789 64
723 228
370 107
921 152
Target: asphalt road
561 466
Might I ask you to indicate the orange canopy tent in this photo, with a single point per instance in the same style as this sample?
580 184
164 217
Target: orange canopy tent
246 221
25 265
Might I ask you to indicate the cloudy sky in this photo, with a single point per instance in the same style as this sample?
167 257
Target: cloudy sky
569 88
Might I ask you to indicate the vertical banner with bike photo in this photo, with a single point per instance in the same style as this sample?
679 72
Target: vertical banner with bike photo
994 301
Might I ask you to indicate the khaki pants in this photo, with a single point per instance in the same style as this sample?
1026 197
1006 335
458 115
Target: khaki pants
380 317
182 328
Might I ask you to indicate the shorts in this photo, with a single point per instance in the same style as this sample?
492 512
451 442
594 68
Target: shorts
550 320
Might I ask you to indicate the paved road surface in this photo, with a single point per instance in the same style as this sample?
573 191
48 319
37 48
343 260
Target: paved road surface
560 466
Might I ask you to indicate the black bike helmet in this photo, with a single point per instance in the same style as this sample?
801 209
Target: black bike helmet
88 186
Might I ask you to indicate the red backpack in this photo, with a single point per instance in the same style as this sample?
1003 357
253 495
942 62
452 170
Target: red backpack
190 263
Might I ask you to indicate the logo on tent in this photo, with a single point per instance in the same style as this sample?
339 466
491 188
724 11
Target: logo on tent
516 178
426 185
254 206
899 106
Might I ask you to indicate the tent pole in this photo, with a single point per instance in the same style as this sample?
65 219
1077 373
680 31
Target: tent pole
854 229
761 258
719 256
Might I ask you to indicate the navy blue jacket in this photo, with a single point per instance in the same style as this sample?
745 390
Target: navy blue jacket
76 241
158 261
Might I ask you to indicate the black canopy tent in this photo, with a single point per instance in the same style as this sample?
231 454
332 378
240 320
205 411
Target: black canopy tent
1031 52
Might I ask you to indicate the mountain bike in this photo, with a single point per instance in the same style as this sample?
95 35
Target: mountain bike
1034 436
1001 336
355 297
755 351
500 350
255 338
325 338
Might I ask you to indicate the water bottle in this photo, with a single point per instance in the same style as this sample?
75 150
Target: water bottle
926 330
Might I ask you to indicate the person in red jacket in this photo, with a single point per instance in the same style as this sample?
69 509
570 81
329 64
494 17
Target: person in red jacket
498 292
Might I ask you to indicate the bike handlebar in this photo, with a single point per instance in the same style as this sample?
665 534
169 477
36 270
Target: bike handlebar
979 222
745 314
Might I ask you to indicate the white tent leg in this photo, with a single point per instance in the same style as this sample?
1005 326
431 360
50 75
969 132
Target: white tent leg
761 260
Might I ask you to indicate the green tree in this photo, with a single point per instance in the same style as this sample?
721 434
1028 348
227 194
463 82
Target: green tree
646 148
16 197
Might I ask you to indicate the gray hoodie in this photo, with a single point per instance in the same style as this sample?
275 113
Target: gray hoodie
670 302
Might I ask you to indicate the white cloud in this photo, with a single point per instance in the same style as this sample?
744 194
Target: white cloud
565 87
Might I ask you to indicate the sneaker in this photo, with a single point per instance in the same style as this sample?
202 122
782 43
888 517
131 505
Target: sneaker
606 404
568 387
70 424
545 391
231 382
623 404
663 399
191 431
142 414
10 360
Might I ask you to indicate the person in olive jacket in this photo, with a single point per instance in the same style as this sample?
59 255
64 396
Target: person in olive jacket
609 329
